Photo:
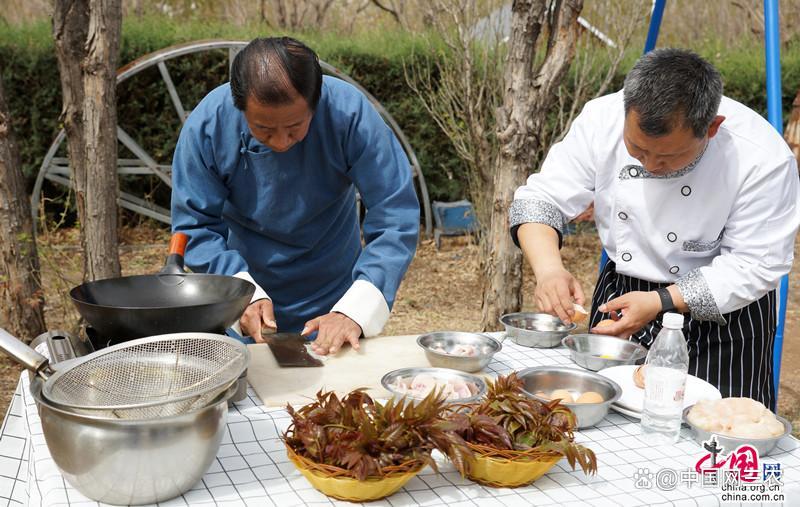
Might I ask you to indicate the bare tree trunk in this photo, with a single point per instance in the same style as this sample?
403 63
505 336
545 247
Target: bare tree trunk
527 96
21 295
70 29
86 36
100 124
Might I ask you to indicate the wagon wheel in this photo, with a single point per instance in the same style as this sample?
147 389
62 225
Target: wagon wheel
144 163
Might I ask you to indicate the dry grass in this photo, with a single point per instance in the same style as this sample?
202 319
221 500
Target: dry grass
440 292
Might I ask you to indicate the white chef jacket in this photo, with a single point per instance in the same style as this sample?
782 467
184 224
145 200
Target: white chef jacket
722 228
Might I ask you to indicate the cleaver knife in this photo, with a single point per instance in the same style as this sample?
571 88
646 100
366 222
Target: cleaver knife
290 350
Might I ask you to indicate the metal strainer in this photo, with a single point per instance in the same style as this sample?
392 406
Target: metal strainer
150 377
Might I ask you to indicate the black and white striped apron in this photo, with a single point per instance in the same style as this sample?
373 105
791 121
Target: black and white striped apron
736 358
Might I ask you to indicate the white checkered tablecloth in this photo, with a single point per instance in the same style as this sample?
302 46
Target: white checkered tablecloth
252 469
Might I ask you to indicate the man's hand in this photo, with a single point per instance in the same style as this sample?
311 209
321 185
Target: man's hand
638 309
259 316
333 330
555 291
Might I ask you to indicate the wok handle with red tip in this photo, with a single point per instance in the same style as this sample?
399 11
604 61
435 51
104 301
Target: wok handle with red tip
177 248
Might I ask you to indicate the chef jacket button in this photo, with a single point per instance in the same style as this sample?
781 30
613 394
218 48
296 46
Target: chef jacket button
674 269
633 171
622 215
686 190
672 237
627 257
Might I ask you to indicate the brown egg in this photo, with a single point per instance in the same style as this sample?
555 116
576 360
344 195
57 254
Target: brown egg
638 377
563 395
580 313
604 323
590 397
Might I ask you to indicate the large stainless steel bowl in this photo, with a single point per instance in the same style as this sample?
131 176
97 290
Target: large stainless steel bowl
597 351
550 378
535 329
440 374
764 446
133 462
440 349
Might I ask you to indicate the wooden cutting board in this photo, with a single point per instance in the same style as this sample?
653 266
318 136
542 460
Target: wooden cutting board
347 370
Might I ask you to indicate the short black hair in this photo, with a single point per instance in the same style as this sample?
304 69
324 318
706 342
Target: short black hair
670 87
274 70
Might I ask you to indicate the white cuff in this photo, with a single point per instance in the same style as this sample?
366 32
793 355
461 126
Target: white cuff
258 294
365 304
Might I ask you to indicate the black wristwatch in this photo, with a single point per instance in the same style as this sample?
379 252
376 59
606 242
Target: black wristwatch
666 301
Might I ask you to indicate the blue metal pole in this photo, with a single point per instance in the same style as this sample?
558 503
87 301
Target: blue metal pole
649 45
655 25
772 50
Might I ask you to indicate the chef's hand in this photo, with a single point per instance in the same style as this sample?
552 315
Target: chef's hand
333 330
555 291
638 309
257 318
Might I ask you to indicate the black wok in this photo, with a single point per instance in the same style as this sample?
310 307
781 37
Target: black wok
171 301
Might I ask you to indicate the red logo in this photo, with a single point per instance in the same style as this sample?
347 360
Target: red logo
744 459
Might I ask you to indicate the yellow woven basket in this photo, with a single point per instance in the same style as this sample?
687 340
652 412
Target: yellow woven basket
507 468
336 483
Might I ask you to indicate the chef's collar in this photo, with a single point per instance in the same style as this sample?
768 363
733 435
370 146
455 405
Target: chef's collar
638 171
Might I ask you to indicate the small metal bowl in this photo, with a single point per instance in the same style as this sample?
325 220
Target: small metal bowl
535 329
437 373
550 378
447 341
597 351
764 446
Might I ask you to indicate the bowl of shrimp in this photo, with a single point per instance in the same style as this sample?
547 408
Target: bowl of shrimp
458 350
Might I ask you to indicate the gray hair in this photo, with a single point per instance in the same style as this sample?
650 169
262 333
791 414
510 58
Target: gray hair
673 87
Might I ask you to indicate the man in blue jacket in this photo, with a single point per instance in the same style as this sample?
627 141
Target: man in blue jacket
264 180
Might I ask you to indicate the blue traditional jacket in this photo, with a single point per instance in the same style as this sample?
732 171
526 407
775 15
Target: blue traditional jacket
288 220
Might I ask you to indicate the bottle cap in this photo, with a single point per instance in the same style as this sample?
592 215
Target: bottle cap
673 320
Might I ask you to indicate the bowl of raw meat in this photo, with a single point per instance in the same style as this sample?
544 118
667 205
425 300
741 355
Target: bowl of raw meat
458 350
734 422
416 383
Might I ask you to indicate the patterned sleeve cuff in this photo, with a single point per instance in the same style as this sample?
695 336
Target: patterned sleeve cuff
698 297
525 211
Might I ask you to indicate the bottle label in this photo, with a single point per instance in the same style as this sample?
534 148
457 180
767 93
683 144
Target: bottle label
664 389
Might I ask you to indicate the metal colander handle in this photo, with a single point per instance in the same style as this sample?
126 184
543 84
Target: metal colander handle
24 355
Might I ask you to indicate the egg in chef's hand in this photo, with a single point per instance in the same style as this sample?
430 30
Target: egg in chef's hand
580 314
605 322
563 395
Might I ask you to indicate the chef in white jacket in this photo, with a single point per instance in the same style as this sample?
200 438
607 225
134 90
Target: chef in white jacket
696 205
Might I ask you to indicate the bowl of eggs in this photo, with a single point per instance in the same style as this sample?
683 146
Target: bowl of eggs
587 394
734 422
597 351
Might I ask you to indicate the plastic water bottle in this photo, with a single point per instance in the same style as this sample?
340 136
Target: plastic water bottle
665 382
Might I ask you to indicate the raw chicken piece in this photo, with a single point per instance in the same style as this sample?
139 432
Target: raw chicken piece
464 350
421 385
